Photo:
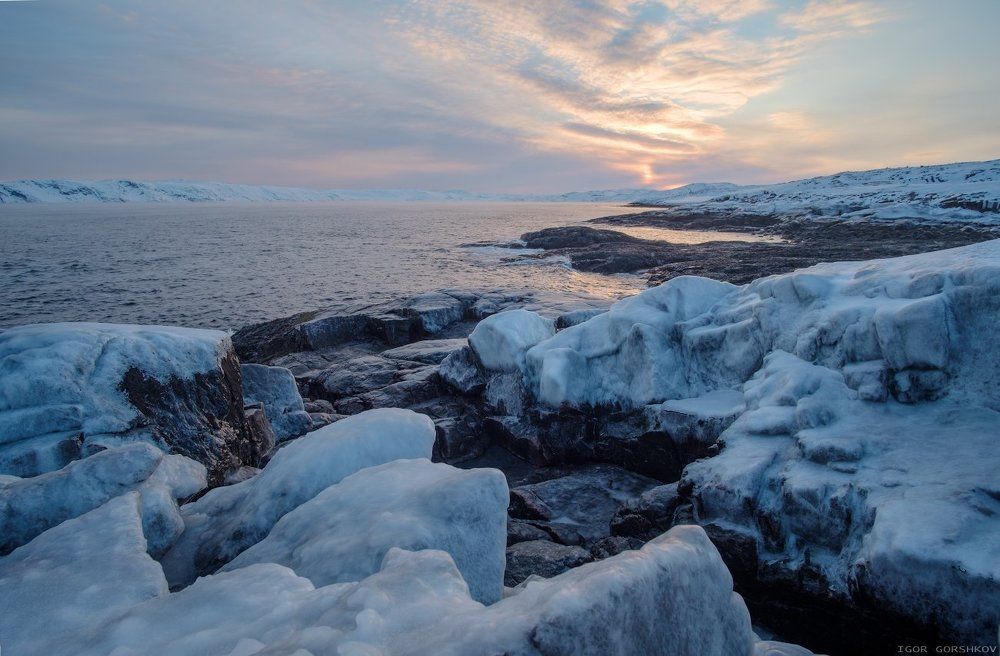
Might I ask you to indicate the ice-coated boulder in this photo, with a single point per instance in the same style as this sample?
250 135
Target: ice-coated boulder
274 388
29 506
343 533
68 388
879 503
229 519
674 596
501 340
80 574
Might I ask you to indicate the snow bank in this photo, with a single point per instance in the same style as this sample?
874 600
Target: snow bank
83 573
106 383
672 597
30 506
229 519
343 533
500 340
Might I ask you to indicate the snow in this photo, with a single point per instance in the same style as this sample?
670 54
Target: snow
230 519
500 340
275 389
80 574
343 533
965 191
674 596
63 379
30 506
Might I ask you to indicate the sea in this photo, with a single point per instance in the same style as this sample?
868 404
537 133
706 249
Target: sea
225 265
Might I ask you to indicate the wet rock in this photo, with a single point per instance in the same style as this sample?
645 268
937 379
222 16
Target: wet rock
461 371
521 531
459 438
543 558
613 545
318 405
574 317
574 237
645 517
428 351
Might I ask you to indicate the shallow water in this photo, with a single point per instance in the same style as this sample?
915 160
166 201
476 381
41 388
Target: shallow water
226 265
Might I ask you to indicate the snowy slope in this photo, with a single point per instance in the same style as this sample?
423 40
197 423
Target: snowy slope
963 191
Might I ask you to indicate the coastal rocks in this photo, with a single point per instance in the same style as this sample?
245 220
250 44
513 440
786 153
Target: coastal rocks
68 389
344 532
228 520
541 558
274 388
585 499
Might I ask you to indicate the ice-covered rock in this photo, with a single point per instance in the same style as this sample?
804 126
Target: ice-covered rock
66 389
29 506
428 351
342 534
230 519
274 388
674 596
874 502
501 340
80 574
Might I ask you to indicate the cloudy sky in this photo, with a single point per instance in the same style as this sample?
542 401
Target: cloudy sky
494 95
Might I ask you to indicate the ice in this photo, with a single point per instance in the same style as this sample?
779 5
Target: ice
229 519
500 340
275 389
674 596
29 506
66 381
342 534
80 574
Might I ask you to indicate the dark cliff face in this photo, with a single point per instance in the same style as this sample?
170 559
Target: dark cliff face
202 418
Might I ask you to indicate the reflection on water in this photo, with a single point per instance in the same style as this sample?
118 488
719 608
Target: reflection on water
225 265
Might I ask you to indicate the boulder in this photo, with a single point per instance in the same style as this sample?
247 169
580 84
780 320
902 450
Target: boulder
543 558
274 388
68 389
343 533
501 340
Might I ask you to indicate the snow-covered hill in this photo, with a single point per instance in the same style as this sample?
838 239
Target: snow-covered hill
963 191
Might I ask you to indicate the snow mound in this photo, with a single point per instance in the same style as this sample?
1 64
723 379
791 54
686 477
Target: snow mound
30 506
343 533
82 573
230 519
500 340
674 596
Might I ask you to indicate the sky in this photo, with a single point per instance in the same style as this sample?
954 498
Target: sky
494 95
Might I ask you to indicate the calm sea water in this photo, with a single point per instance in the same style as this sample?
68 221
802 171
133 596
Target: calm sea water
226 265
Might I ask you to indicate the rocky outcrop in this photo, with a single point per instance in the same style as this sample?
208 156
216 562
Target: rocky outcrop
68 390
274 390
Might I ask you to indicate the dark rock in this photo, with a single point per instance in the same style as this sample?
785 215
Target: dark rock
562 533
542 558
520 531
630 524
428 351
574 317
649 515
459 438
318 405
462 371
574 237
202 418
614 545
524 504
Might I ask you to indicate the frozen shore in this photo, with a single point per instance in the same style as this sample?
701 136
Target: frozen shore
825 440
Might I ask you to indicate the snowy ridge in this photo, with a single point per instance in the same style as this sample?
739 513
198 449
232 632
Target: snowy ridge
963 191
